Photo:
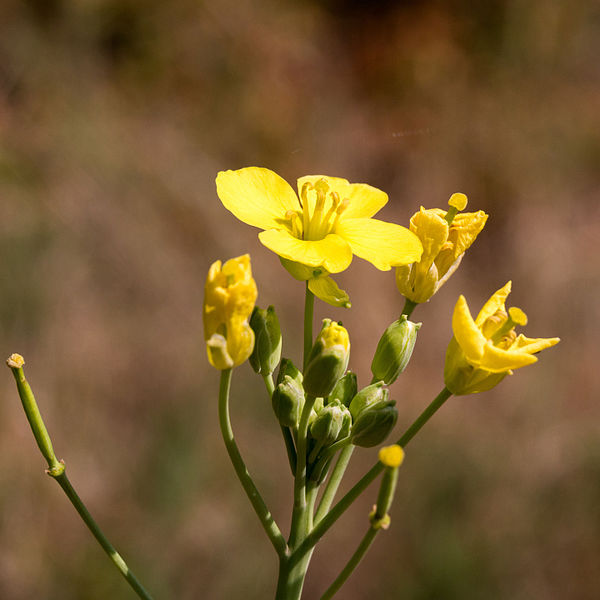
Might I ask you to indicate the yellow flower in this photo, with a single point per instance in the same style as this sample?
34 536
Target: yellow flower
445 237
483 351
316 232
229 297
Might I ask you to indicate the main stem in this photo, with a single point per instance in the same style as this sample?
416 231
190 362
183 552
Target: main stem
292 574
260 508
309 307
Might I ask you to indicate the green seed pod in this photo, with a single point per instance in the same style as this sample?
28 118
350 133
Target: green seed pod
328 424
345 389
367 397
374 424
287 401
394 350
267 345
328 359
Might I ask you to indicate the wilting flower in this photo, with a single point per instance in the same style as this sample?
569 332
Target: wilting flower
229 296
445 236
316 232
483 351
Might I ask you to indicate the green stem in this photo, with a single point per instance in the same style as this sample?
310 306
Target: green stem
334 482
263 513
352 563
327 455
56 470
379 520
346 501
299 517
309 307
116 558
285 431
409 306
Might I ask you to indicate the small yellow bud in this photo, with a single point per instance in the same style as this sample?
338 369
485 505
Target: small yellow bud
15 361
229 296
391 456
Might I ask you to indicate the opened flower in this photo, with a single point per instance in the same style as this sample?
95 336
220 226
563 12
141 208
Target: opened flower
483 351
229 297
316 232
445 236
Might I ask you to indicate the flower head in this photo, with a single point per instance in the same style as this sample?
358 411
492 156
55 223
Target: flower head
317 231
483 351
229 296
445 236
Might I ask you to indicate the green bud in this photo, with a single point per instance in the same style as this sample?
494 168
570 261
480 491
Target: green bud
287 367
394 349
267 344
369 396
328 359
287 401
345 389
328 424
374 424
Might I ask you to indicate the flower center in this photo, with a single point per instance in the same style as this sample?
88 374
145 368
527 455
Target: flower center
500 327
321 211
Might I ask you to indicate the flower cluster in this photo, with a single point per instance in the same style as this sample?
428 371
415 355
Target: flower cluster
321 409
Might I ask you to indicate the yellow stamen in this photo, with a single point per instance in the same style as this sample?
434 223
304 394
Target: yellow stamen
515 317
456 203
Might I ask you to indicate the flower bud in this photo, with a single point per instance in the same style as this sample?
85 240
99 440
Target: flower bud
374 424
287 367
267 345
328 359
329 423
287 401
345 389
394 350
368 396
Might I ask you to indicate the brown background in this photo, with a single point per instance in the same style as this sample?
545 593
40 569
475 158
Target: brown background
115 117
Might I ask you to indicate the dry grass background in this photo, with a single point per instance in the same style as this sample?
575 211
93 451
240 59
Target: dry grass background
115 117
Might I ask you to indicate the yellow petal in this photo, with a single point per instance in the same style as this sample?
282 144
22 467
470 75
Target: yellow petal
465 228
533 345
495 303
327 290
385 245
466 332
257 196
365 200
432 230
332 253
497 360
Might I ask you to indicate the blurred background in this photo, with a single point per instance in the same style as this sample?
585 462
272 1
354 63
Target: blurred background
116 115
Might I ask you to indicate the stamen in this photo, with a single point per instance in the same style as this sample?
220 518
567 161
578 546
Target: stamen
341 207
304 202
456 203
315 226
335 200
515 317
295 223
